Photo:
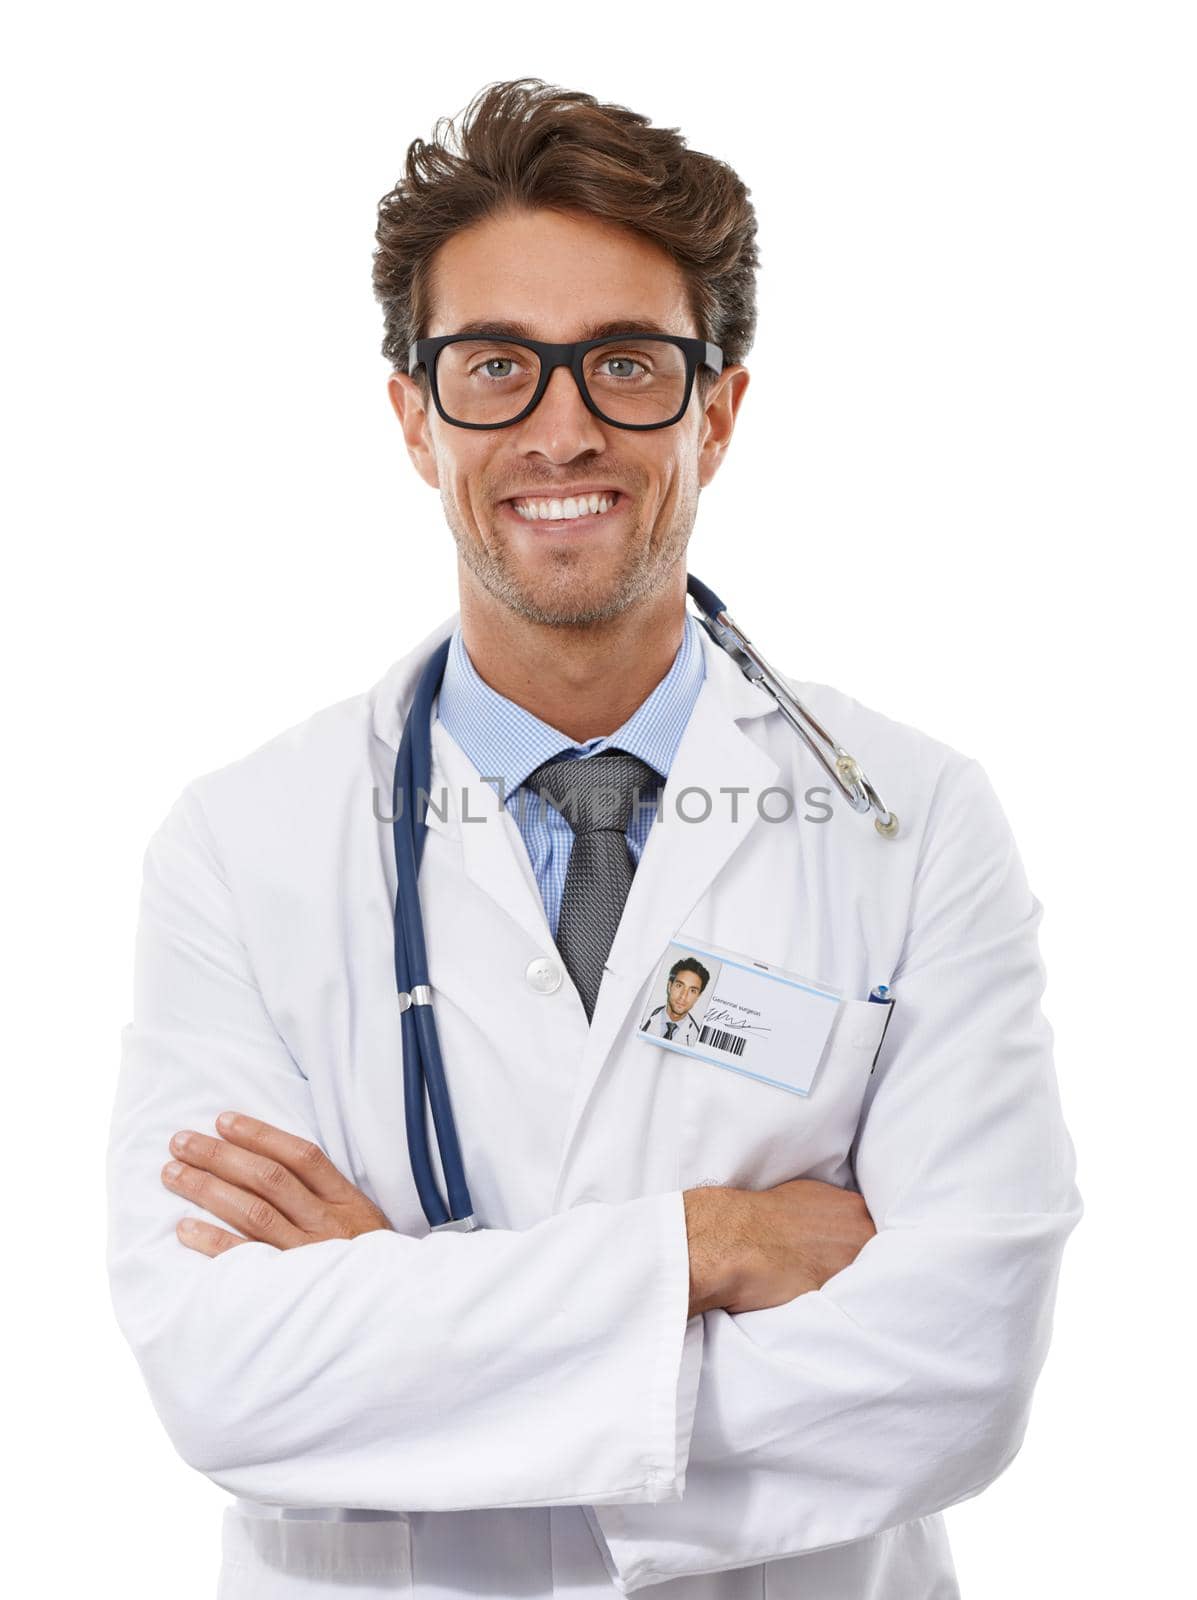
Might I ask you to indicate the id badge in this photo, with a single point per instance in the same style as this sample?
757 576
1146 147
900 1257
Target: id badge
739 1014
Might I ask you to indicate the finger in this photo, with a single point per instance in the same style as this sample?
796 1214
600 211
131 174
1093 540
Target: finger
249 1212
205 1237
300 1156
254 1172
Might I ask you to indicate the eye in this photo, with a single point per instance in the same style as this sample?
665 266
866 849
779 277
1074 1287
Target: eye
623 364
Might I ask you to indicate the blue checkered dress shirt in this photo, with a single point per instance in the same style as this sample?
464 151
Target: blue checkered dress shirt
503 740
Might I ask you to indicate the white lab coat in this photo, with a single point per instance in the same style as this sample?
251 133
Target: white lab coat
526 1409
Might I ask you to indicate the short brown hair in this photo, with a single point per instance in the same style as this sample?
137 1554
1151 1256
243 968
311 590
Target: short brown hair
528 143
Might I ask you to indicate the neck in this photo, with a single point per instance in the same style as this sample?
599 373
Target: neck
584 679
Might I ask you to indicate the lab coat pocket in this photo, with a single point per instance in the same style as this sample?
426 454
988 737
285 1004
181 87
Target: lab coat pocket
752 1135
283 1558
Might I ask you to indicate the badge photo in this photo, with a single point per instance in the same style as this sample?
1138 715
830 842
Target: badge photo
681 990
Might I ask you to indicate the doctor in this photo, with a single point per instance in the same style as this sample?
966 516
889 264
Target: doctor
714 1337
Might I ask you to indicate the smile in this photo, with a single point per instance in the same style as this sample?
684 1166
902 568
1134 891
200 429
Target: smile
570 512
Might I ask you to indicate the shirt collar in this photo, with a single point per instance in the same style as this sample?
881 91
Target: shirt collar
503 740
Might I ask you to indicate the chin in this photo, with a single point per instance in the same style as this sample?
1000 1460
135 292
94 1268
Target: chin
561 591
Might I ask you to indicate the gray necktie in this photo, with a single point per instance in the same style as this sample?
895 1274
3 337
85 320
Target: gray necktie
594 794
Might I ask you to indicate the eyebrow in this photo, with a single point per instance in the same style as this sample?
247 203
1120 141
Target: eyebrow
593 330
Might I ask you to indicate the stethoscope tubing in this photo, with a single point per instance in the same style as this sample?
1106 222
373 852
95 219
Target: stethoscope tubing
843 770
423 1067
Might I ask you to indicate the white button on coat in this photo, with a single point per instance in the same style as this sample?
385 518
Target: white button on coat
487 1410
543 975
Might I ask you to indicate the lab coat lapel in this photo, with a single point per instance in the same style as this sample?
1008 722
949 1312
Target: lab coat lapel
681 859
493 855
461 807
394 691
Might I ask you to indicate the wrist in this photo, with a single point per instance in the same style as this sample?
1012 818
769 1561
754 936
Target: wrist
716 1237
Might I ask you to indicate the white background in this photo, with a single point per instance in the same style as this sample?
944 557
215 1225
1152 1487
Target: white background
961 489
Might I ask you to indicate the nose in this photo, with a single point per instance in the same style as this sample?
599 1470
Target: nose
562 425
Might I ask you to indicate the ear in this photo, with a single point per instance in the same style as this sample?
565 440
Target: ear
408 402
719 420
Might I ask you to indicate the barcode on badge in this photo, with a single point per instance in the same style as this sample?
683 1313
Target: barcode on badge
733 1043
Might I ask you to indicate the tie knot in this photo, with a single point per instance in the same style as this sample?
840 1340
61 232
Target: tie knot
594 793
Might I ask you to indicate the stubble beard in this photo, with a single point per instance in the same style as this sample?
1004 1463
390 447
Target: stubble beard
562 593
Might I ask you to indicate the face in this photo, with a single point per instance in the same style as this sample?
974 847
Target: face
684 990
561 274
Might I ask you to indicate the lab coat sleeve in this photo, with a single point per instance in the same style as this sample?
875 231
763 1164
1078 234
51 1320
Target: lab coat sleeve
902 1386
445 1372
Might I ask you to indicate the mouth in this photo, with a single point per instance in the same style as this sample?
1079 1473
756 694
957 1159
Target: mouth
587 519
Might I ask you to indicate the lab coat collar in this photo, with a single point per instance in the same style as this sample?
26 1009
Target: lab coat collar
392 694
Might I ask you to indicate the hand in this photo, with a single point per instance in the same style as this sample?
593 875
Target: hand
752 1249
277 1188
803 1233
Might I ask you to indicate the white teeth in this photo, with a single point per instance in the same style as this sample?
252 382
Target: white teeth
557 510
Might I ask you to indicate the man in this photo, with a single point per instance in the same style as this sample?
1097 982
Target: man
687 980
570 1400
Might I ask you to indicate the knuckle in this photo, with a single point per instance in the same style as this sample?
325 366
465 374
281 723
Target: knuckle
311 1157
261 1215
272 1175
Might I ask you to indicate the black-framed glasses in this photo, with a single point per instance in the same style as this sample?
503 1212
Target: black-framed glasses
631 380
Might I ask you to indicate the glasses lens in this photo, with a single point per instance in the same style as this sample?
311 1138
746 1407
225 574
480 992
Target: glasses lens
486 380
636 380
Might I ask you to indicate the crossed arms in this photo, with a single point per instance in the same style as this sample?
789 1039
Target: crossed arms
374 1370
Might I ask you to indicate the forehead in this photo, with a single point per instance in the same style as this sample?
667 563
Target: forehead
557 276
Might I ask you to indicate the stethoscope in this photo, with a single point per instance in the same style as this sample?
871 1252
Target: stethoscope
423 1065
